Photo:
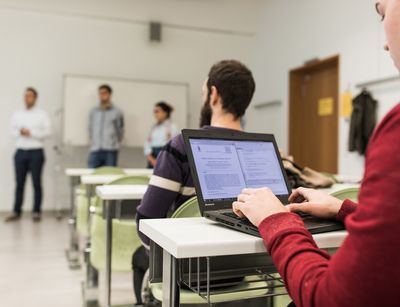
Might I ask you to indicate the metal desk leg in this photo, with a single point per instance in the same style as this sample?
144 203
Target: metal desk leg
73 249
91 284
170 285
108 216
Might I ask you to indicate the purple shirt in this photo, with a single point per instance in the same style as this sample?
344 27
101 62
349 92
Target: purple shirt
170 185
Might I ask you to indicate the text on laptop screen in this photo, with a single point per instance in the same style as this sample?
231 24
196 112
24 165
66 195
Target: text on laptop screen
225 167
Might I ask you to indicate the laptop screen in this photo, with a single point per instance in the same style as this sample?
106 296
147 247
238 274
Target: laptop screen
225 167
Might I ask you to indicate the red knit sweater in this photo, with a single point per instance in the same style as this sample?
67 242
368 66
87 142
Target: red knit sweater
365 271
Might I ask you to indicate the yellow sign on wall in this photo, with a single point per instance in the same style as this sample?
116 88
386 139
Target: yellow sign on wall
325 106
347 104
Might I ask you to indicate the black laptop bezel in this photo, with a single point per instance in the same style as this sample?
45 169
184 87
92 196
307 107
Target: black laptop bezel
226 135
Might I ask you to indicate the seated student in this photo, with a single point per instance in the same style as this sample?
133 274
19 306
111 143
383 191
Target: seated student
366 269
227 93
162 132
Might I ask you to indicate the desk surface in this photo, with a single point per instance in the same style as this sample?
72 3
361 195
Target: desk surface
78 172
199 237
99 179
121 192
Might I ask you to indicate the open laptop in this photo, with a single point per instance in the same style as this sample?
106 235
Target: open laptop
225 162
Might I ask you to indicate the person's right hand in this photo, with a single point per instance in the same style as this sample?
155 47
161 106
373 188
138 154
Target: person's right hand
314 202
25 132
152 160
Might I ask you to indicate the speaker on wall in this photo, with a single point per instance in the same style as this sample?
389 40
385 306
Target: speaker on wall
155 32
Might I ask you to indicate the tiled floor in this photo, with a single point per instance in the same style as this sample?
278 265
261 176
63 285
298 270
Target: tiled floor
34 270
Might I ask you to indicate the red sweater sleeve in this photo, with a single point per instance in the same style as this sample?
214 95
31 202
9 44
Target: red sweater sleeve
347 208
366 269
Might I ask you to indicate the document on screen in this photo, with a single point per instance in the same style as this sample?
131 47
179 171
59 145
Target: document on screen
226 167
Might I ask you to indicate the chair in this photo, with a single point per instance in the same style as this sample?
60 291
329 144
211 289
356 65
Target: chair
188 209
238 292
348 193
125 239
82 202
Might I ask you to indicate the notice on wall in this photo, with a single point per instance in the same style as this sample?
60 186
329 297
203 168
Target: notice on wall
325 106
347 104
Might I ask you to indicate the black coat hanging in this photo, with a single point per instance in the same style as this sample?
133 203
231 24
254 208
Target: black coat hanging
363 121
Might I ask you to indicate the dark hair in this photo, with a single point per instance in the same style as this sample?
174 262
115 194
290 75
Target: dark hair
165 107
32 90
235 84
106 87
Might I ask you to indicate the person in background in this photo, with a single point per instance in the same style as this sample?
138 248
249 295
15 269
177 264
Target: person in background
163 131
106 130
365 271
30 126
227 92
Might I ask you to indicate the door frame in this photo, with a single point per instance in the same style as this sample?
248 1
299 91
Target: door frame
295 76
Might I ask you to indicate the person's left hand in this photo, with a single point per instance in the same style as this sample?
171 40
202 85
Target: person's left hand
25 132
257 205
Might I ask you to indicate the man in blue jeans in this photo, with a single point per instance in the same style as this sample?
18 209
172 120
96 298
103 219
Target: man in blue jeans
30 126
106 130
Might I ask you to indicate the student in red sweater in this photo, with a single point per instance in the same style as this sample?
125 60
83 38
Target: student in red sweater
366 269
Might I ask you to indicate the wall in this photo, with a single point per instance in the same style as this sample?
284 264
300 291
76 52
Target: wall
292 32
42 40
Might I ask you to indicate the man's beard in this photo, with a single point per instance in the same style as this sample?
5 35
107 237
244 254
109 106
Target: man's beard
206 114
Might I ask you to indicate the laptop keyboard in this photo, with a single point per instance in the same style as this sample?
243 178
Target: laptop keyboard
245 221
309 220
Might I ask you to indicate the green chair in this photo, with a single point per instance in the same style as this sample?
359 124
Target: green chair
125 239
348 193
238 292
188 209
82 207
82 202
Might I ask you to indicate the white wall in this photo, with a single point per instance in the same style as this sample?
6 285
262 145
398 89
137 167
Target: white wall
295 31
42 40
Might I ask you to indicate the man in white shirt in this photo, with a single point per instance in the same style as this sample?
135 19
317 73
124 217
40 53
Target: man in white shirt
30 126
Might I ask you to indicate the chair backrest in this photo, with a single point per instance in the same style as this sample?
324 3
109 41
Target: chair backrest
349 193
188 209
131 180
108 170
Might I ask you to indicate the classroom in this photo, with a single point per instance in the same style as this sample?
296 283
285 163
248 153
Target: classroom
223 153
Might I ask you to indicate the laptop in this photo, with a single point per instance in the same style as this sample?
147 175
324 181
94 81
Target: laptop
223 163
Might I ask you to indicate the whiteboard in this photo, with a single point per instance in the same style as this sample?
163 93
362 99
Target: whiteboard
135 98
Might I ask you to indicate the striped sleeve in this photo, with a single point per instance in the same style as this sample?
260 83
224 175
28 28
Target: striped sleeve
167 185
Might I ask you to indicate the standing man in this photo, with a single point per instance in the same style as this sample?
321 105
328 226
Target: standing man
106 130
30 126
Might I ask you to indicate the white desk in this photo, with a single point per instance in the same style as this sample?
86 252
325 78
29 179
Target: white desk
112 195
77 172
99 179
74 175
121 192
205 238
91 181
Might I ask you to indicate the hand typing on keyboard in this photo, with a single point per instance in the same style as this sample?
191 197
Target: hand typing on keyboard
314 202
257 204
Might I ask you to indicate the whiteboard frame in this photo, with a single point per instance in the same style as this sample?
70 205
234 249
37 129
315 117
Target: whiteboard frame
138 80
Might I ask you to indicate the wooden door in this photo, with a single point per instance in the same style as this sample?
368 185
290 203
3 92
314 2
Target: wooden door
313 115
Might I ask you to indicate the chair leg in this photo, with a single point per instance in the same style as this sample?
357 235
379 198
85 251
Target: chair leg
147 297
